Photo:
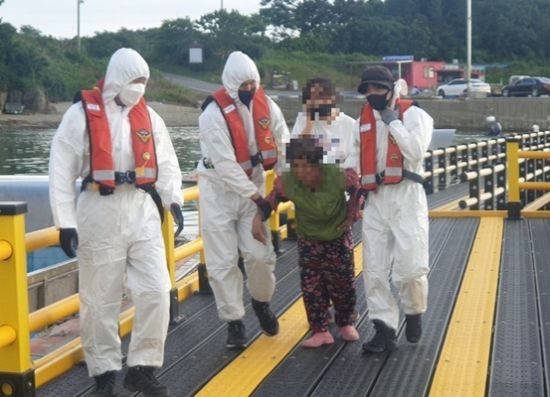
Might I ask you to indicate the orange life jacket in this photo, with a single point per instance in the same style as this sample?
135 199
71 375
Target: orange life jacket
267 147
393 173
101 151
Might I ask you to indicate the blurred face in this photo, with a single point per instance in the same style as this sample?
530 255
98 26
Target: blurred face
306 173
321 103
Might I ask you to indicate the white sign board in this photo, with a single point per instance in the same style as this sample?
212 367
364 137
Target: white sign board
195 55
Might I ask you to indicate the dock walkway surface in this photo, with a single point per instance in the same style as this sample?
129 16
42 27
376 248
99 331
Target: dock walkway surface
486 331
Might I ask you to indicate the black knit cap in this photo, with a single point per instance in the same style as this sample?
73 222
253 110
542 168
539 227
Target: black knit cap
376 74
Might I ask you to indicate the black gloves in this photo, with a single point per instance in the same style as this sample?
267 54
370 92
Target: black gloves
264 207
175 209
68 239
388 115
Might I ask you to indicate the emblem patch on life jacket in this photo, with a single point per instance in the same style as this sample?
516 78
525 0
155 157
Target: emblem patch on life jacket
394 157
264 122
268 139
144 135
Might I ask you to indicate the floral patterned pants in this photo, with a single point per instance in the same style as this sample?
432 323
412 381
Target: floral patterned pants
326 274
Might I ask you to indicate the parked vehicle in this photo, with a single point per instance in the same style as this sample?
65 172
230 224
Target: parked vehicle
515 77
529 86
458 87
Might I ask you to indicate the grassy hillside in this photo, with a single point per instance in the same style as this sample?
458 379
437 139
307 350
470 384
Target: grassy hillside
344 70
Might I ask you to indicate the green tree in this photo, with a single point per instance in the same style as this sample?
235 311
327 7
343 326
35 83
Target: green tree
172 40
7 33
103 44
229 31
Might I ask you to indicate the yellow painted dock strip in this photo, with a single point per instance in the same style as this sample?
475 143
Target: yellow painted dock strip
464 360
243 375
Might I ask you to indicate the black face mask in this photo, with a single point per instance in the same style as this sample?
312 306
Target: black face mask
323 110
246 97
378 102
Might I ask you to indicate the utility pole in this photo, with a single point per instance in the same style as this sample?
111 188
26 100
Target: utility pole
78 2
221 6
469 45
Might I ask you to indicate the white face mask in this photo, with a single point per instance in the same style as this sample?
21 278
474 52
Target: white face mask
131 93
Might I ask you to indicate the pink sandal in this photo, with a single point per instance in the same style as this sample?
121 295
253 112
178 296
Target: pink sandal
318 339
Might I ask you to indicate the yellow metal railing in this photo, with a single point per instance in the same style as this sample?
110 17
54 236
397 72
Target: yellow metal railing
15 321
279 231
517 183
16 371
7 335
53 313
41 238
5 250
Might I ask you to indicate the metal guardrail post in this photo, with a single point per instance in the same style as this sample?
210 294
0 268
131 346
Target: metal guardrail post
494 150
16 371
526 141
453 162
442 163
502 146
474 191
473 155
489 187
539 165
485 151
500 178
522 173
514 203
429 167
545 171
531 194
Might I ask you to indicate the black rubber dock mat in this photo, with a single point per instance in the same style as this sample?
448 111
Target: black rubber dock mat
345 371
451 193
540 235
195 348
516 367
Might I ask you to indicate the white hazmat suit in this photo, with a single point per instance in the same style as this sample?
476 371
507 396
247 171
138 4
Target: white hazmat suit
118 233
395 222
226 207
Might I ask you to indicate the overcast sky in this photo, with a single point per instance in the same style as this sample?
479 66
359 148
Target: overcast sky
58 17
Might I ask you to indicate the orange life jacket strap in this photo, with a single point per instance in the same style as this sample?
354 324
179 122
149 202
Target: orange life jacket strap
393 172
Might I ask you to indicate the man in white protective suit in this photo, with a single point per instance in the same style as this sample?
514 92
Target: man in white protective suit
241 134
391 137
122 150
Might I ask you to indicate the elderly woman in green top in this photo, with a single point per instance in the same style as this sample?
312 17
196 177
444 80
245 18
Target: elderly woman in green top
324 218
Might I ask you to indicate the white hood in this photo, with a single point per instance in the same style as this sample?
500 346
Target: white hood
238 69
124 66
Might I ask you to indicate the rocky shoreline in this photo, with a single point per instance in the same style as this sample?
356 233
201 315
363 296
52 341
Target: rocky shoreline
173 115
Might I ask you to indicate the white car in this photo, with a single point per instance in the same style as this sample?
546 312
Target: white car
457 87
